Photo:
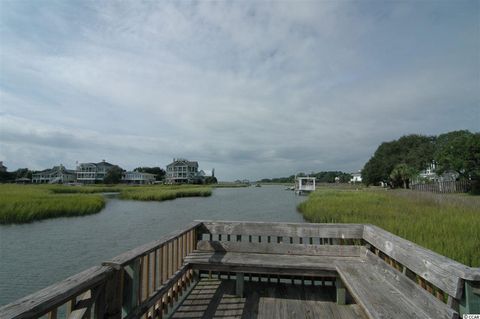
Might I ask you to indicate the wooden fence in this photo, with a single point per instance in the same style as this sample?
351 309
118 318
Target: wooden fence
443 187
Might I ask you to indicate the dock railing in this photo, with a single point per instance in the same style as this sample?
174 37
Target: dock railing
142 283
150 281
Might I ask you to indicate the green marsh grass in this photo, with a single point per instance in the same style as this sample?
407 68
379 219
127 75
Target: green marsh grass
448 224
62 189
25 203
164 192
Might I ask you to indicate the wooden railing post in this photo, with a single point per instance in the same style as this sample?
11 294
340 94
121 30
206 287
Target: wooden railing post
470 303
341 291
111 299
131 285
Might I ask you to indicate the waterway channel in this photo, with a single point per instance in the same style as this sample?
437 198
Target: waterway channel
33 256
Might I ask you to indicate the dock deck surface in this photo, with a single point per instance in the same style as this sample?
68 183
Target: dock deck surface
214 298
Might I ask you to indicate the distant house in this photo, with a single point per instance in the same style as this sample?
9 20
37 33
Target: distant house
138 178
23 180
206 173
3 168
181 171
57 174
429 175
356 178
91 173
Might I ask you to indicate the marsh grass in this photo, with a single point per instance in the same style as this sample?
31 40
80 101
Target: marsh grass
448 224
26 203
61 189
164 192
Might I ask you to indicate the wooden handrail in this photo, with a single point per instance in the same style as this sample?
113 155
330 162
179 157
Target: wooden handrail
43 301
127 257
149 274
396 247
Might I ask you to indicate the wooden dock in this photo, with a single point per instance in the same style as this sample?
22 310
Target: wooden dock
216 298
264 270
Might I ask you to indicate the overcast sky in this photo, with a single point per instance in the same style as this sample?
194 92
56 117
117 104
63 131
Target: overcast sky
252 89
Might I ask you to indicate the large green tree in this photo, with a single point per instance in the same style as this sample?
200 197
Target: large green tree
23 173
453 151
6 177
473 162
159 173
401 175
113 176
415 151
459 151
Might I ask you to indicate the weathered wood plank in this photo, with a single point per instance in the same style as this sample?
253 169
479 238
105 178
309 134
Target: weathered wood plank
439 270
84 304
419 296
215 299
130 255
114 295
378 299
351 231
284 249
251 262
157 294
39 303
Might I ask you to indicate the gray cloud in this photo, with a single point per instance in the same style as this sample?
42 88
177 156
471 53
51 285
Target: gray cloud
252 89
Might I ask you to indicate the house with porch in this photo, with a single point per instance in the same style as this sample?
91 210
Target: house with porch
181 171
138 178
356 177
91 173
58 174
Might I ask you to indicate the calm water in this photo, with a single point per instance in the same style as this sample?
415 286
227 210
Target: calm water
33 256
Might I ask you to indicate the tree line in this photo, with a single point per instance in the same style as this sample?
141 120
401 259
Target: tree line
397 162
6 177
321 177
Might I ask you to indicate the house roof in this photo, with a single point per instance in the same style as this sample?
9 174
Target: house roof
103 163
183 162
55 169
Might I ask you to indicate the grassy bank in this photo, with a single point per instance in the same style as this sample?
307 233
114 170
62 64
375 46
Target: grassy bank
164 192
27 203
23 204
447 224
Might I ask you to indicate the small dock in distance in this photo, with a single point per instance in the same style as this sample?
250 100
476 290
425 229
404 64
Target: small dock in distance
304 185
224 269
